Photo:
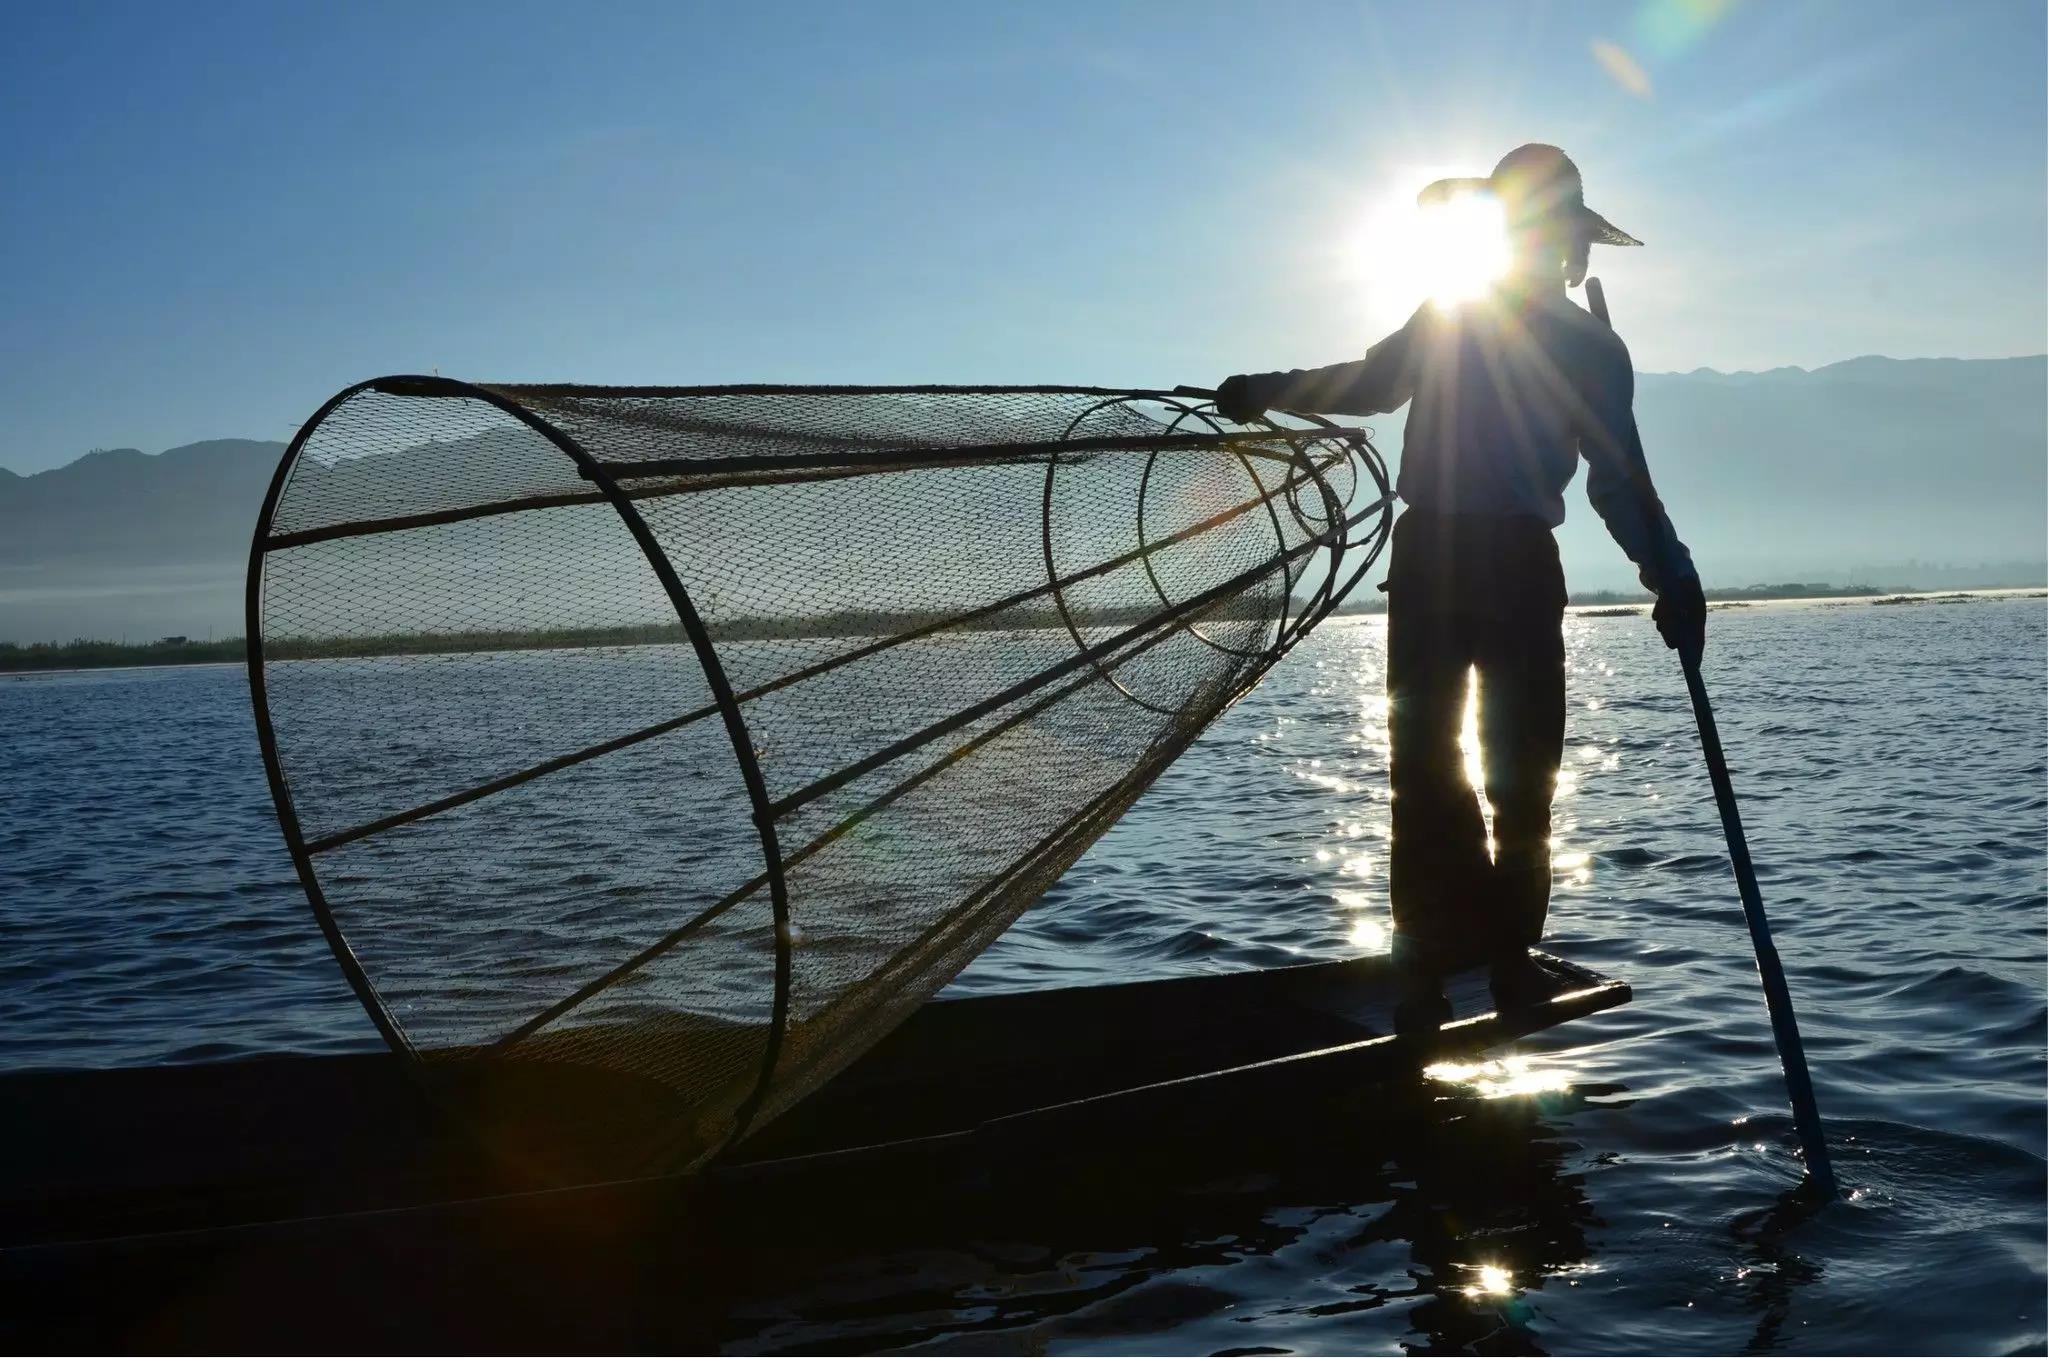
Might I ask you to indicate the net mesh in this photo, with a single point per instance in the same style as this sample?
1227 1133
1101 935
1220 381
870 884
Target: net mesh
649 753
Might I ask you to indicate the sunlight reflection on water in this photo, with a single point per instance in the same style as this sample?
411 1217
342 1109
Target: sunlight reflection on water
1492 1281
1368 935
1569 867
1505 1078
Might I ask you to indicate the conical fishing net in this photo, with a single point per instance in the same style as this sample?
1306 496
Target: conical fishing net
648 753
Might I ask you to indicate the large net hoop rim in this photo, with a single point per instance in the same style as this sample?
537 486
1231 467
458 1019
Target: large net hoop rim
687 616
266 738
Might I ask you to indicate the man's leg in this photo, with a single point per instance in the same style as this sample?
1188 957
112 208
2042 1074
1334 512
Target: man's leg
1439 851
1521 723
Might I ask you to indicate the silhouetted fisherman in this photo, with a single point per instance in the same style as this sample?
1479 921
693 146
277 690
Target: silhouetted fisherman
1505 393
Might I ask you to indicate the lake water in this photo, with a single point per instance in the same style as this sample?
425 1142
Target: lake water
1608 1187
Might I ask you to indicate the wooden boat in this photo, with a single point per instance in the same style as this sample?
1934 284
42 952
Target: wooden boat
233 1204
96 1155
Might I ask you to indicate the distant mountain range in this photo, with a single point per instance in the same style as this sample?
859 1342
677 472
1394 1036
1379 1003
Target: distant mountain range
1876 469
122 544
1913 473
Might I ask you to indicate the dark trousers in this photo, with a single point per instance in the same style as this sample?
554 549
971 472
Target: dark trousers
1480 599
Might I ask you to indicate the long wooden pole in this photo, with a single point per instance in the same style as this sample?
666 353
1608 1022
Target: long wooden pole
1777 995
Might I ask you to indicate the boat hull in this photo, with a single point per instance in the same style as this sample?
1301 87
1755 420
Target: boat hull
180 1148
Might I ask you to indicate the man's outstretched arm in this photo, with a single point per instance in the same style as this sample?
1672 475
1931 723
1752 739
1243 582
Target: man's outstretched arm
1381 381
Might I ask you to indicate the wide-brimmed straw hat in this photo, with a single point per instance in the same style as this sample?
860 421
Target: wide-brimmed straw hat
1536 185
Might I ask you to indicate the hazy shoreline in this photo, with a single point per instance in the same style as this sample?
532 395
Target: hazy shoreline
88 654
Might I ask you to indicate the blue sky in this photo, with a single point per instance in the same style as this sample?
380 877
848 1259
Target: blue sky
220 214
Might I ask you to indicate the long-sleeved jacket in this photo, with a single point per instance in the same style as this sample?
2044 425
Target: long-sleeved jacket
1506 394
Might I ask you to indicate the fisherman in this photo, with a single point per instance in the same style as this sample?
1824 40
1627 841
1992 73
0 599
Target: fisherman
1505 394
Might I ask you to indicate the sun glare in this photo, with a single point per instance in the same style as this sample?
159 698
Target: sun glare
1447 253
1461 248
